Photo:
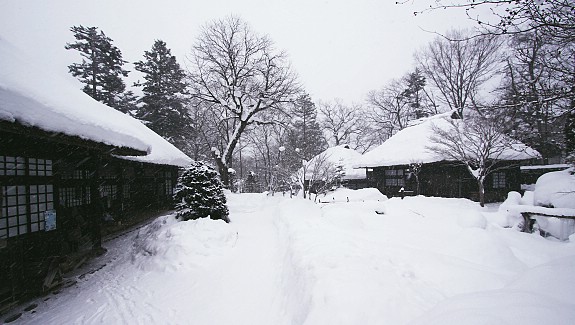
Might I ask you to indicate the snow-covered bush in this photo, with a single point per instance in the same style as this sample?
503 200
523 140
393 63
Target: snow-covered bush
199 193
509 218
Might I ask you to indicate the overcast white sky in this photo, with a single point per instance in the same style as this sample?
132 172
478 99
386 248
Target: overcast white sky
339 48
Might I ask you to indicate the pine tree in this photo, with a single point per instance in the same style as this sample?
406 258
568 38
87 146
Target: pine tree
199 193
415 83
101 69
304 133
164 102
127 103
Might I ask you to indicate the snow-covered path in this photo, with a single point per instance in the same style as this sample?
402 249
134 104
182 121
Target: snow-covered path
246 281
224 274
290 261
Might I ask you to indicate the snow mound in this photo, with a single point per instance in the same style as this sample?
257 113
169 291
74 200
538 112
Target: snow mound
472 219
168 244
556 189
507 215
349 195
534 298
527 198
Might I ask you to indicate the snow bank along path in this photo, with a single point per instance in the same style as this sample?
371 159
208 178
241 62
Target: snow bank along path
197 272
290 261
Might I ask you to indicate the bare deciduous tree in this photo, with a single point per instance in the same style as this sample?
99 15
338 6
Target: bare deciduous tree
478 143
316 175
552 19
241 75
342 122
459 66
389 108
530 100
555 17
265 142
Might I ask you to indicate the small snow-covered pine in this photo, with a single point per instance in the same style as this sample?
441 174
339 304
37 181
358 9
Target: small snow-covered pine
199 193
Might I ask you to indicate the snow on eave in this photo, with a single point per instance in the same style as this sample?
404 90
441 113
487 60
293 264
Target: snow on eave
554 166
411 145
34 97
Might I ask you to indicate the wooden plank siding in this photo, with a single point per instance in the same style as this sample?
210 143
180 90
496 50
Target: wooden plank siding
446 179
81 186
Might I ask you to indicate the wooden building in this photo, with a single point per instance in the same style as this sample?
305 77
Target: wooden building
325 165
405 161
68 166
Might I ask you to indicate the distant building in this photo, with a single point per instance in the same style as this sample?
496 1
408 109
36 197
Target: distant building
68 165
393 166
334 160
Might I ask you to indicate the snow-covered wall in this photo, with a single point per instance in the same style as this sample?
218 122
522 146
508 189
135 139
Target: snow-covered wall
31 96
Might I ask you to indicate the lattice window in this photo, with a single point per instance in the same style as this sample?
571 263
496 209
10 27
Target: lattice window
499 180
394 177
12 166
169 186
126 191
109 190
74 174
41 200
14 219
39 167
74 196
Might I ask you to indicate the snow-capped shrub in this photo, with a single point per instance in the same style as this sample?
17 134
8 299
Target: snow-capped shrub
199 193
513 198
509 217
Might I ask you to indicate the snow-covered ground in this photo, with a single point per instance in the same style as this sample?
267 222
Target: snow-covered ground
291 261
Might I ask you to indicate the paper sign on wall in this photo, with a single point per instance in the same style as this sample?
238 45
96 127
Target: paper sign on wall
49 220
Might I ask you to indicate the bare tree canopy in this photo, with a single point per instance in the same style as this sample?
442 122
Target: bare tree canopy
459 68
480 144
390 110
239 74
341 122
552 19
556 17
531 100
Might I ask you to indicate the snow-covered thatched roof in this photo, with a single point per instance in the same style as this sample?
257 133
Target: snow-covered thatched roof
412 145
339 155
33 97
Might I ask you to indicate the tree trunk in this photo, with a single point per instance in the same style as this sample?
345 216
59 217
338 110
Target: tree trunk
223 170
481 192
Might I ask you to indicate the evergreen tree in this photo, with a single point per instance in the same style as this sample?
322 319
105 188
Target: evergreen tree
164 102
304 133
414 87
101 69
127 103
199 193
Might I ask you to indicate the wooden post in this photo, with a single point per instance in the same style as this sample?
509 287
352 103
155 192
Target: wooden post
97 206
